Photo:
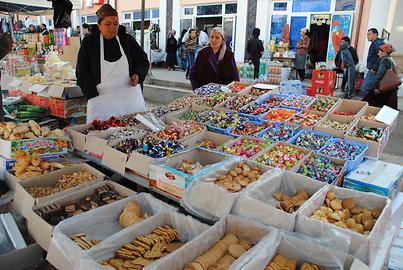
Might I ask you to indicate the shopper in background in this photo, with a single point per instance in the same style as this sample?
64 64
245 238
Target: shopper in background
170 49
348 68
203 37
110 68
77 32
302 53
86 30
255 49
179 54
338 62
215 63
372 62
375 97
189 50
31 29
43 29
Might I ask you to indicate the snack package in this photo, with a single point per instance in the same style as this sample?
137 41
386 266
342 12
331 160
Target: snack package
99 224
212 201
244 229
262 202
187 228
301 249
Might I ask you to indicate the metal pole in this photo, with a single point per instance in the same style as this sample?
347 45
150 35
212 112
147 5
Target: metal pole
143 7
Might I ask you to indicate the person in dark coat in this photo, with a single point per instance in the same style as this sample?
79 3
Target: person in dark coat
375 97
349 68
215 62
372 61
255 49
110 67
302 53
338 62
170 49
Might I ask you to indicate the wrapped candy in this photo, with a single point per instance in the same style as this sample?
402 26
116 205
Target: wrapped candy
279 132
368 133
273 101
164 109
255 109
178 130
214 100
201 117
249 128
159 149
322 104
320 168
279 114
335 125
185 101
342 150
305 119
311 141
237 87
281 156
208 89
297 101
206 143
226 120
112 122
238 102
245 147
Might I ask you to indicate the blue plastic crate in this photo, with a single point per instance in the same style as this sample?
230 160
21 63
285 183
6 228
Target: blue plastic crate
284 106
351 164
253 117
218 130
293 140
262 134
253 122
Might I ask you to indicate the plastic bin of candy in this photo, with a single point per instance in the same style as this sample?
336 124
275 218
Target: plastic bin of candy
278 132
279 110
264 100
351 164
255 123
327 137
297 101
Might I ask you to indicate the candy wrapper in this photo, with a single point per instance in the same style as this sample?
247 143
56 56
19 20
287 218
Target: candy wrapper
201 117
258 91
273 101
297 101
277 132
246 147
342 150
281 156
335 125
320 168
312 141
185 101
122 133
237 87
206 143
226 120
208 89
158 149
322 104
255 109
112 122
279 114
179 130
214 100
238 102
249 128
305 119
368 133
164 109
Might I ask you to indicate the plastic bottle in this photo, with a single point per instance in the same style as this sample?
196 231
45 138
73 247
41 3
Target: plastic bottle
284 87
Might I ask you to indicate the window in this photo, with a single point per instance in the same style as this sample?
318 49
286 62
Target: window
345 5
155 13
282 6
231 8
185 24
209 10
147 14
137 15
277 26
83 19
50 22
92 19
311 5
128 16
188 11
297 23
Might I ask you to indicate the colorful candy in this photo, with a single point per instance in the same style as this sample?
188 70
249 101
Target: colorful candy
158 149
279 132
341 150
320 168
322 104
305 119
237 87
368 133
279 114
344 113
273 101
178 130
201 117
297 101
258 91
281 156
238 102
214 100
208 89
249 129
245 147
335 125
129 145
369 117
206 143
130 119
186 101
124 133
311 141
164 109
226 120
112 122
255 109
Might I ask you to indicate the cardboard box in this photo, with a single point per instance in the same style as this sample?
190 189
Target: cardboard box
339 118
77 135
305 127
42 146
42 231
229 144
374 148
66 108
177 115
216 138
23 201
336 99
350 106
269 88
173 181
238 84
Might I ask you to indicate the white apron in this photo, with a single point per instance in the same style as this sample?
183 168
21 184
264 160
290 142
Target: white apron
116 96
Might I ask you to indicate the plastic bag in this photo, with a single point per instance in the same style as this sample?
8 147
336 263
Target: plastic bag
301 248
205 199
188 229
258 202
244 229
99 224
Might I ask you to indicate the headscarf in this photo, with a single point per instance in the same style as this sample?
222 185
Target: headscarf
171 32
105 11
388 48
223 48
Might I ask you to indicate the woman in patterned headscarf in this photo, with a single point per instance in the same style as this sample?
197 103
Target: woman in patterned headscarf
215 63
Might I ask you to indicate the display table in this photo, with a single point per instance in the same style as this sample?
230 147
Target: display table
157 56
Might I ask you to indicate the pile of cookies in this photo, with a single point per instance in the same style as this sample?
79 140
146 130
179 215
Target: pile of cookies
28 166
290 204
131 214
82 241
66 181
12 131
145 249
239 177
221 255
346 214
189 167
280 262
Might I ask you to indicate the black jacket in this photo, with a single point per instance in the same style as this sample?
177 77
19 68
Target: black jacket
373 58
171 46
88 70
353 51
255 48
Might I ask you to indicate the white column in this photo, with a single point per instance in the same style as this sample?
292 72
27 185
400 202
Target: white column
163 24
75 19
262 20
176 17
240 30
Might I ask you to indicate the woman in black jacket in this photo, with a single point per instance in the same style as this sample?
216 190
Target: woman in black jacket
110 67
170 49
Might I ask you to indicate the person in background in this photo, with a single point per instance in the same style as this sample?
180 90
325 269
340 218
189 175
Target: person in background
255 49
77 32
170 49
189 50
179 55
349 68
43 29
338 61
203 37
375 97
86 30
31 29
110 68
372 61
215 63
302 52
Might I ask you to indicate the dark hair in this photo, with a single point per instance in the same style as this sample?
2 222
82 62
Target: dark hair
86 26
31 25
78 27
43 25
373 31
256 32
307 33
347 39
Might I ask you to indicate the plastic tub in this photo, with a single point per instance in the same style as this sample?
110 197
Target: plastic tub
294 139
253 135
262 134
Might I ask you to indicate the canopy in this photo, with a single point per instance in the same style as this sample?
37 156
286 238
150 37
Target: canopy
34 7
